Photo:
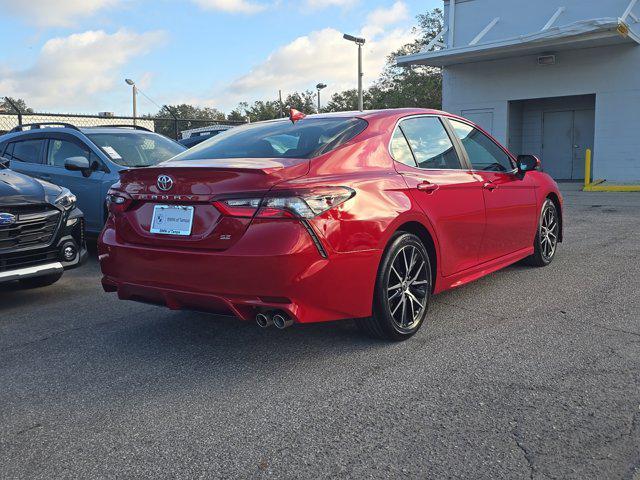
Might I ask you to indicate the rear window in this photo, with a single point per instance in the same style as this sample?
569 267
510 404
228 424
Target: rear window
306 138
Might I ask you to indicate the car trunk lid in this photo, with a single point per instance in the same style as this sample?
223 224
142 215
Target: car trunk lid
197 184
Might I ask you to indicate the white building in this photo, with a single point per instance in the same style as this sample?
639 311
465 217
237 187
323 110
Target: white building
550 78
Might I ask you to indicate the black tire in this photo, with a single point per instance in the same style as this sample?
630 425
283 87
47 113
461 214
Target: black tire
402 291
546 242
43 281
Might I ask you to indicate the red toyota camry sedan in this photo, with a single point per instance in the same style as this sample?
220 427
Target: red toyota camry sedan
359 215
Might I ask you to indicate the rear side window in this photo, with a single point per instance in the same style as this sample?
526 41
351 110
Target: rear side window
28 151
430 143
484 153
400 149
306 138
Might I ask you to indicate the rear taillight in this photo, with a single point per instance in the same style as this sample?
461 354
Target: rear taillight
298 204
118 202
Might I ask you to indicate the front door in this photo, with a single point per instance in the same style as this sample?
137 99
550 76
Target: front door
448 194
87 187
510 201
566 137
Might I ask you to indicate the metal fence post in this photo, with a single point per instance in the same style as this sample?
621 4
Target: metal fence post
175 121
13 105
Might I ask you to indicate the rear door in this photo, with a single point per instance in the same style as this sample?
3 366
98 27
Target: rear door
26 156
86 186
441 184
510 200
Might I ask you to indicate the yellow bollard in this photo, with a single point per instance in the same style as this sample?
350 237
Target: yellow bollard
587 168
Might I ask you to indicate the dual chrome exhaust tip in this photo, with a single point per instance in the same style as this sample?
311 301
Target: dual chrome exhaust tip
280 319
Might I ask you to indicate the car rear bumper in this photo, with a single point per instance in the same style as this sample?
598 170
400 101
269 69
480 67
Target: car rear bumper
251 276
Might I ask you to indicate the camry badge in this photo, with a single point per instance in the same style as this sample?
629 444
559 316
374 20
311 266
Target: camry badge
7 219
165 183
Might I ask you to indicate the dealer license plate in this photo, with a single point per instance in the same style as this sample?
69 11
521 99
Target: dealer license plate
172 220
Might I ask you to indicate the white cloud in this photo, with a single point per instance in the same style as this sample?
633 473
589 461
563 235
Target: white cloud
323 55
230 6
58 13
71 71
381 17
319 4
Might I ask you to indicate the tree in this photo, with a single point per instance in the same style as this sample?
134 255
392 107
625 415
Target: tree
191 112
401 86
5 105
304 102
347 100
189 116
412 85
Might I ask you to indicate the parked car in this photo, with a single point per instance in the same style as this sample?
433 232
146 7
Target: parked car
199 135
87 161
41 230
364 215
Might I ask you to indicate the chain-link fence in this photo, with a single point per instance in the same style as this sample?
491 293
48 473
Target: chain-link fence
169 126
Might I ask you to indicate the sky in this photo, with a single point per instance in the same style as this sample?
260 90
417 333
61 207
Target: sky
72 56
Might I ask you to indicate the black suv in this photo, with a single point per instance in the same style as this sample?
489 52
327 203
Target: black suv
41 230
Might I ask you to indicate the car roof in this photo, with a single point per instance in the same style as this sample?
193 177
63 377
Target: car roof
387 112
73 131
372 114
125 130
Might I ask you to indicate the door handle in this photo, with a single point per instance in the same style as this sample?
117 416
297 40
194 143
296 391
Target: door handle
427 187
489 186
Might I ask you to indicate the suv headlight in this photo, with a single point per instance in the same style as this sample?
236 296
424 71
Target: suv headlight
66 200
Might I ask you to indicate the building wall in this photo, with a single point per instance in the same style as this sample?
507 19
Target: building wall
521 17
611 73
526 120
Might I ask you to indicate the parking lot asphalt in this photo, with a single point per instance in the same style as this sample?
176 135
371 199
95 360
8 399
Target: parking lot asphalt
527 373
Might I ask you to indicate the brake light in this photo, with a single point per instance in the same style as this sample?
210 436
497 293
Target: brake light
243 207
299 204
118 202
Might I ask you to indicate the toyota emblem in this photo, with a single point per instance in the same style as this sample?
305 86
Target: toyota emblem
165 183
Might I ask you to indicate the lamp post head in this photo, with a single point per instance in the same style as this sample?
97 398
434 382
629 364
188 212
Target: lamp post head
320 86
128 81
351 38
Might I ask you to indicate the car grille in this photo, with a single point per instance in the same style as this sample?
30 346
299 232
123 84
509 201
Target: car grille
35 226
12 261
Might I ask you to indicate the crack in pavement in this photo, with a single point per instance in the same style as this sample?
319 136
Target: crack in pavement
517 438
617 330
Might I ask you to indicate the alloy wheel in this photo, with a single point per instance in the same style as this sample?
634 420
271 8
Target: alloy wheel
548 232
408 286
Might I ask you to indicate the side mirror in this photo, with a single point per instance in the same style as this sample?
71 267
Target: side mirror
527 163
78 164
5 162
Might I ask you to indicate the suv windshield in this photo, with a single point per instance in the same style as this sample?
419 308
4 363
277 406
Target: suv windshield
306 138
136 149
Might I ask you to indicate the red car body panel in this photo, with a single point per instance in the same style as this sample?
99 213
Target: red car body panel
241 266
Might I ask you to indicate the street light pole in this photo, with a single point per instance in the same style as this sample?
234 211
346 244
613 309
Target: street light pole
320 86
134 92
358 41
360 75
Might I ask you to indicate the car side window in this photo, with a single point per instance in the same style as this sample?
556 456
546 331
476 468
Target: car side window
60 150
400 149
430 143
28 151
484 153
